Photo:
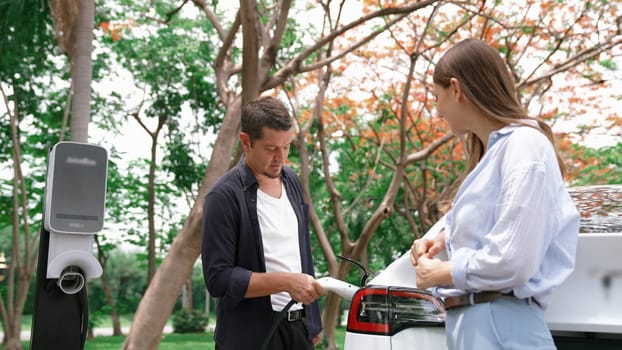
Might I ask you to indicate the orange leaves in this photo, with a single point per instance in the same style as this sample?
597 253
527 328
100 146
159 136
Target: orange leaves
373 5
551 114
304 116
116 29
491 34
563 142
113 32
105 26
545 43
615 121
545 5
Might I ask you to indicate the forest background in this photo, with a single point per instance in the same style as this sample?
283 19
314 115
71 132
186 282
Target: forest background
162 92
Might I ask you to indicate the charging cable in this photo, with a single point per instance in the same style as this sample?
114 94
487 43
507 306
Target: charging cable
275 324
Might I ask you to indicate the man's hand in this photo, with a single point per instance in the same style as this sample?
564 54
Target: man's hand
303 288
317 339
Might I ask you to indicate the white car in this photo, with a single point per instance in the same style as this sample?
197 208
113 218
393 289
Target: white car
585 313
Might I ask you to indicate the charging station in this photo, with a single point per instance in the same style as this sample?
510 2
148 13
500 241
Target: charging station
74 205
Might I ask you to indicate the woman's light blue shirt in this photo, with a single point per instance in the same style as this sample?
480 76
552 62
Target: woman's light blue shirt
513 226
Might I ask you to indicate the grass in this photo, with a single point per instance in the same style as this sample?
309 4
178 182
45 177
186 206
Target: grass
104 321
172 341
169 342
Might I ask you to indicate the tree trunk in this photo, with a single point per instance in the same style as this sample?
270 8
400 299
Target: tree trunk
12 343
151 246
12 337
186 300
151 234
116 323
159 299
81 70
329 319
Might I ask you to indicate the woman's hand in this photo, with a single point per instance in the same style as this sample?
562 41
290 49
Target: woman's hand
430 272
433 272
426 248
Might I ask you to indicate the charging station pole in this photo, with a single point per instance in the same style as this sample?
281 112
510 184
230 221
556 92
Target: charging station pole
60 320
73 213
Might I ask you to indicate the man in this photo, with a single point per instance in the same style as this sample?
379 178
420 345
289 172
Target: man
256 252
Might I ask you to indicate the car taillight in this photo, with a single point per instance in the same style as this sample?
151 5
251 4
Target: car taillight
388 310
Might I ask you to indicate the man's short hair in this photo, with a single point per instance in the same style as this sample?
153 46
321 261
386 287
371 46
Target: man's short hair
266 111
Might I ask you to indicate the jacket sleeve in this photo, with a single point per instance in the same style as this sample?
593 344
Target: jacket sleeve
223 278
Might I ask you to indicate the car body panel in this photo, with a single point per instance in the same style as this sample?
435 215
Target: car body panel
590 300
401 270
357 341
412 339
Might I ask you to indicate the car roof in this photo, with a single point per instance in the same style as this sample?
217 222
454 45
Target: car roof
600 207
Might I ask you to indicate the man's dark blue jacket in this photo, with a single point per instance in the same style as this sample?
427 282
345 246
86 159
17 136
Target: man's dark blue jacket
232 248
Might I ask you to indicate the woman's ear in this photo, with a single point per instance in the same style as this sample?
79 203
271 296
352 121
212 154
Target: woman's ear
456 88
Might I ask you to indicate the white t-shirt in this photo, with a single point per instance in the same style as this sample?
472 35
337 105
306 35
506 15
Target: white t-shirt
279 233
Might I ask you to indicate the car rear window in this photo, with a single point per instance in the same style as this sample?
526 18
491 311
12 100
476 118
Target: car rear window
600 208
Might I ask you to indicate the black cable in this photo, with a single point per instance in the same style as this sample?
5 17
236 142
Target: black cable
84 311
275 324
361 267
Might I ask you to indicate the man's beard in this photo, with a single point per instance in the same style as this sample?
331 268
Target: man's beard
272 176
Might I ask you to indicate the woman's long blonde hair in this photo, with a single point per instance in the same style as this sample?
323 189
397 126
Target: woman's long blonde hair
488 84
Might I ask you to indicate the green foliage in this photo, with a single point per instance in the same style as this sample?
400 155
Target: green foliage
609 64
97 316
127 282
31 94
180 162
170 65
31 67
189 322
173 65
25 28
597 166
126 199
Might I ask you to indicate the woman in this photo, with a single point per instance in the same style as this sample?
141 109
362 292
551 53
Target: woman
511 232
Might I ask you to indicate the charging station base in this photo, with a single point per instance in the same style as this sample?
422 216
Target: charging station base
60 320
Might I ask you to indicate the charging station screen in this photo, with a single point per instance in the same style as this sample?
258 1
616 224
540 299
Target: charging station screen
76 188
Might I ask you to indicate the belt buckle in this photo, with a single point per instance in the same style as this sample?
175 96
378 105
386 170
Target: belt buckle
291 316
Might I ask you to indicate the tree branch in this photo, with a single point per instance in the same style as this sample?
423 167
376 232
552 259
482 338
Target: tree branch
294 66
